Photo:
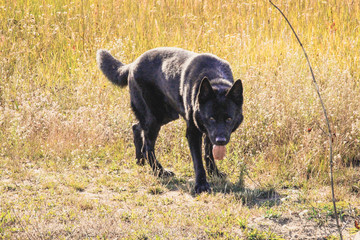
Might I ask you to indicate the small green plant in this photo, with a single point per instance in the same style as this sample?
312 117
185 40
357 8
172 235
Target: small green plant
7 222
215 233
322 212
78 184
242 223
155 190
255 234
272 214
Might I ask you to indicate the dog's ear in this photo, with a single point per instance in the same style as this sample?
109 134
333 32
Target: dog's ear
236 93
206 92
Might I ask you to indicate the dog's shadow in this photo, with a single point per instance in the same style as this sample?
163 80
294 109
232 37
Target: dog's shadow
248 196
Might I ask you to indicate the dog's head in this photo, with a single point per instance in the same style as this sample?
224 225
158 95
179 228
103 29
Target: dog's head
219 110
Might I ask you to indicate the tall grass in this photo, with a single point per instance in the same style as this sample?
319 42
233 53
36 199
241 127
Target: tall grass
55 104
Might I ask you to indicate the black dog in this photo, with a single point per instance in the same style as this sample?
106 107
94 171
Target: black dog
167 82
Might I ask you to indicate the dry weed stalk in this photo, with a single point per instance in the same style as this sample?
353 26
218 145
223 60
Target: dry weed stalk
326 118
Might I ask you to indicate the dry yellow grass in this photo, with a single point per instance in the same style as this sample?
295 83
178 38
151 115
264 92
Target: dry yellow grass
65 132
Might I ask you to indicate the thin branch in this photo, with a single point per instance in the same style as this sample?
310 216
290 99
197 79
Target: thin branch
326 118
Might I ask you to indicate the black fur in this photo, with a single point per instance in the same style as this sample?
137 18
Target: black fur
167 82
113 69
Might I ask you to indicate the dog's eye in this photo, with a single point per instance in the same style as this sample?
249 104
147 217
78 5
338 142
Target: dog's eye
212 119
229 119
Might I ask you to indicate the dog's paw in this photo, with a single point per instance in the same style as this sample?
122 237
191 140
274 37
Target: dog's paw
216 173
219 174
202 187
166 173
140 161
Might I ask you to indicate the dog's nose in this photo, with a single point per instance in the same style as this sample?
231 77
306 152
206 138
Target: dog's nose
220 140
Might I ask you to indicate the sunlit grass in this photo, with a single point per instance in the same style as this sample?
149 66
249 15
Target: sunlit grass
60 117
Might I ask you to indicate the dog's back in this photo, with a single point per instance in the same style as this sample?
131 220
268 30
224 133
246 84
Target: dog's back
173 72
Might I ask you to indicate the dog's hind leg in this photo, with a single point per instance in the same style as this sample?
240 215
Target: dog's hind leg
147 130
138 141
209 160
148 152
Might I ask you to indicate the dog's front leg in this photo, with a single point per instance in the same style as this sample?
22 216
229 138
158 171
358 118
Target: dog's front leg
194 137
209 160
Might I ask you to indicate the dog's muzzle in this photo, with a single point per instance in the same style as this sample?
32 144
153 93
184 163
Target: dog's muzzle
220 141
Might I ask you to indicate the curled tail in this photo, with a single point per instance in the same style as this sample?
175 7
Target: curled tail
113 69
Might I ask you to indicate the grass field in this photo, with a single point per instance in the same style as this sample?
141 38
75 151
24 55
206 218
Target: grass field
67 162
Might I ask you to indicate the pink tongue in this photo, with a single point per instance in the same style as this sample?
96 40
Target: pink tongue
219 152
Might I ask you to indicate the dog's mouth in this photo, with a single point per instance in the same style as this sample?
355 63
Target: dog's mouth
219 152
